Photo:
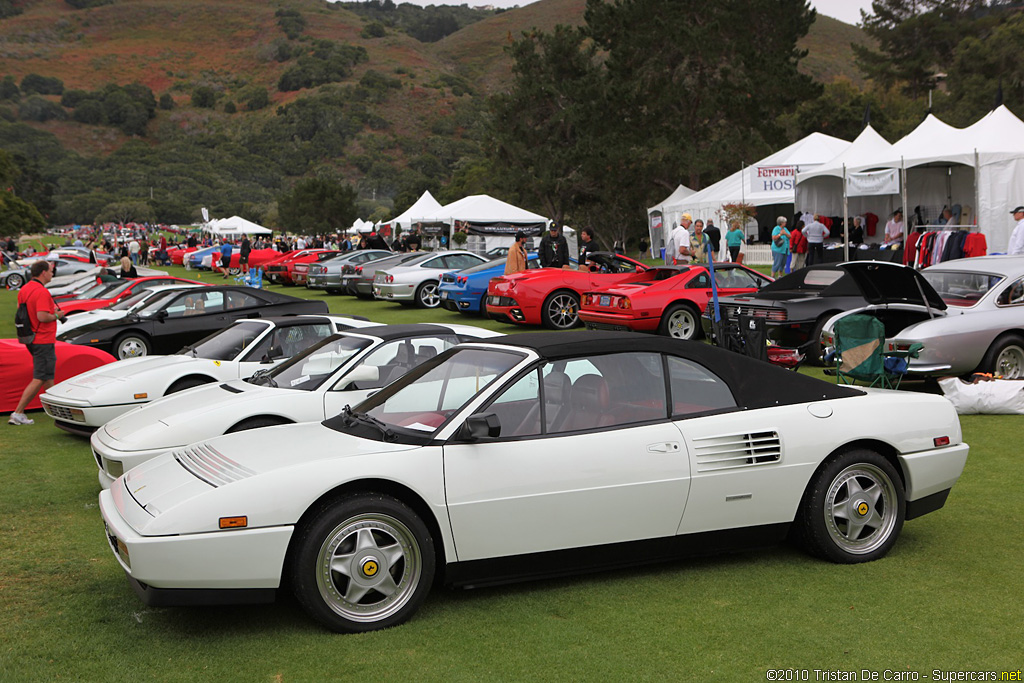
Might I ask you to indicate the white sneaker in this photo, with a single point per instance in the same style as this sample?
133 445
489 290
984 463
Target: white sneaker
20 419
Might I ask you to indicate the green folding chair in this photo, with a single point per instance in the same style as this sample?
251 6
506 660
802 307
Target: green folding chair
861 355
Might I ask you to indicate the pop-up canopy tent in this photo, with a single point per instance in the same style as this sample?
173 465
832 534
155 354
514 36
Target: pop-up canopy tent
426 205
234 226
483 216
359 226
769 183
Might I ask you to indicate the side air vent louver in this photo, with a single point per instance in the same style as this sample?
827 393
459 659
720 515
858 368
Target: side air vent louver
208 464
737 450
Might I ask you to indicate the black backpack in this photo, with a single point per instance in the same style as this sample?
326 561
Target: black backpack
23 325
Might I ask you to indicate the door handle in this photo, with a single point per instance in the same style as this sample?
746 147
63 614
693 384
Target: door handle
664 447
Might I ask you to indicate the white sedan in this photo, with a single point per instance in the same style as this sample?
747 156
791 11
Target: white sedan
340 370
417 281
87 401
528 456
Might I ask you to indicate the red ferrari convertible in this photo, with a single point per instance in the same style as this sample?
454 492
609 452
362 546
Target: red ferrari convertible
550 296
121 291
280 271
667 300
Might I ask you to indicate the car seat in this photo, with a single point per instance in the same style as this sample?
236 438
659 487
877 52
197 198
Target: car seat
589 404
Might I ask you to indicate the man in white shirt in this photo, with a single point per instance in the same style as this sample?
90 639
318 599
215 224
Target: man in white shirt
679 243
300 243
815 232
1017 238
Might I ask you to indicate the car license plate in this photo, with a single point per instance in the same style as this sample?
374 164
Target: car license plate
606 301
492 300
444 295
376 291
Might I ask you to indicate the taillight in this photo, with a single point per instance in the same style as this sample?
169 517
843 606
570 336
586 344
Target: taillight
940 441
358 270
389 279
624 304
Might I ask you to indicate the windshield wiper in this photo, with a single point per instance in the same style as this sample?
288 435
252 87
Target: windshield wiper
350 418
262 378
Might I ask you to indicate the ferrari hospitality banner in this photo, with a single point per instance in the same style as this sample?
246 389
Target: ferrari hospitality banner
773 178
873 183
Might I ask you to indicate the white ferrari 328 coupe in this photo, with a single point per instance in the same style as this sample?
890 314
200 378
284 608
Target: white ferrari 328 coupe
528 456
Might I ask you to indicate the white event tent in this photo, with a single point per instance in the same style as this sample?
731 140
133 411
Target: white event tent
482 215
980 168
659 216
235 226
768 182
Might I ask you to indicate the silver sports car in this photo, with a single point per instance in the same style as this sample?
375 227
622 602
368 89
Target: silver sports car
979 327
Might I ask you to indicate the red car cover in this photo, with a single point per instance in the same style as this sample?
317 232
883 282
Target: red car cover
16 368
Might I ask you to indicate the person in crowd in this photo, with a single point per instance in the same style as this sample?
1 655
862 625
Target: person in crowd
43 315
678 251
618 248
144 251
734 240
362 242
225 257
1017 237
714 237
780 247
857 231
413 240
587 247
105 275
300 242
816 233
947 217
376 241
798 246
642 247
128 269
894 228
133 250
699 243
243 253
516 260
554 249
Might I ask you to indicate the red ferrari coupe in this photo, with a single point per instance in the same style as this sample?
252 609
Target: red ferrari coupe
551 296
121 291
280 271
667 300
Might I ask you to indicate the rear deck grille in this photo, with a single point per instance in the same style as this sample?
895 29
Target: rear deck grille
767 312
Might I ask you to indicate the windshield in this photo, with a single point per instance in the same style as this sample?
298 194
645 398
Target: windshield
497 264
127 303
310 369
96 290
425 398
961 288
227 343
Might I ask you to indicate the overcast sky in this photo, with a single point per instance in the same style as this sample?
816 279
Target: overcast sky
844 10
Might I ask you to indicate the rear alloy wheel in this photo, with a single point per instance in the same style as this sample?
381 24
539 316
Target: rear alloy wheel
1005 358
363 563
187 383
131 346
680 322
561 311
234 271
15 281
257 423
427 295
853 510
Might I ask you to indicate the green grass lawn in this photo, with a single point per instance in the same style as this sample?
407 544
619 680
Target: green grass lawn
947 597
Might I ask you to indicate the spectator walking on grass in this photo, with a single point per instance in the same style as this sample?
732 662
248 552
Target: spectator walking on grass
780 248
43 316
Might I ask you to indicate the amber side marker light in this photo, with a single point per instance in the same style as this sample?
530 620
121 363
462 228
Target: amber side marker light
941 441
138 396
234 522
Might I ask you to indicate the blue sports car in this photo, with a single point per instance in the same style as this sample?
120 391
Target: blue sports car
465 290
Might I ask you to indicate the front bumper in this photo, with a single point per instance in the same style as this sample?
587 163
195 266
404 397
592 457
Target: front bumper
113 461
242 559
80 415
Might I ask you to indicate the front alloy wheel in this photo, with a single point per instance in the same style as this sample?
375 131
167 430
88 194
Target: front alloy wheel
364 564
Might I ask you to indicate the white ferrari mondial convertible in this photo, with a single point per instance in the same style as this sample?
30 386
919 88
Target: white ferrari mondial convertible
340 370
87 401
527 456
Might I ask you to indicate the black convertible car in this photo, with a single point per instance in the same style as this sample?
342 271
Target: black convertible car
183 317
797 306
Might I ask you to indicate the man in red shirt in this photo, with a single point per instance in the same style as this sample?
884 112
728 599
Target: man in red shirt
44 314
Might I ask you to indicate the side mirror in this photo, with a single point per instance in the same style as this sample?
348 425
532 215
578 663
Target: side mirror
360 373
479 426
161 315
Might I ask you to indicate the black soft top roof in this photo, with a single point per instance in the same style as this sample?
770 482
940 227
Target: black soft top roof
754 383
